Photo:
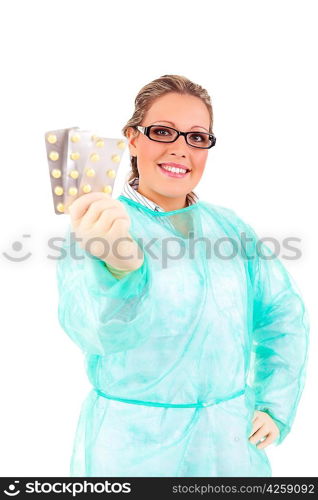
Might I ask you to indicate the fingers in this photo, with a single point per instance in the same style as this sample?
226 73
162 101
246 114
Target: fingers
119 226
264 435
120 247
80 206
257 423
269 439
95 209
259 434
107 217
264 430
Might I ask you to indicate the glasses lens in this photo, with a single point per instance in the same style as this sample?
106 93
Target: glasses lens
199 139
162 134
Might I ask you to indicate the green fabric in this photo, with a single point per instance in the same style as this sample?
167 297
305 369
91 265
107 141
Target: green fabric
183 350
118 273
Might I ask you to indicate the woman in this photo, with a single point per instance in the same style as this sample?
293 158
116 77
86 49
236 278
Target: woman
195 341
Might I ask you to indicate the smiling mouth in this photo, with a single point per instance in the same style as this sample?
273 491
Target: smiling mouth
173 172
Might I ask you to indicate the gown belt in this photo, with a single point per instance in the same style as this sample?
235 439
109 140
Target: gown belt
169 405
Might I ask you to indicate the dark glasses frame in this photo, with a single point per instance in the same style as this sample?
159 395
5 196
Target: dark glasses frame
146 132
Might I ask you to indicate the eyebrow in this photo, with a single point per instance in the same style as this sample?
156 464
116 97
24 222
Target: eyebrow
194 126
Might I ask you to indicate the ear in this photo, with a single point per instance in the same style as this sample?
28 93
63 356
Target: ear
132 139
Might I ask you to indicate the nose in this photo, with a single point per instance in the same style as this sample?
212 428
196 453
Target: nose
178 147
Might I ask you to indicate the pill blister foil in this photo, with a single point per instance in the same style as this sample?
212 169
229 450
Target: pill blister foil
80 162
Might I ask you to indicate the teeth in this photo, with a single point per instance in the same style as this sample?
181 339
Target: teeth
174 169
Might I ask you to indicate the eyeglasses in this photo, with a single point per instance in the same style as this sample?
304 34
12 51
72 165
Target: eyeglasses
159 133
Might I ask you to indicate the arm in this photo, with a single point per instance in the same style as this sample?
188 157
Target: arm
100 313
280 340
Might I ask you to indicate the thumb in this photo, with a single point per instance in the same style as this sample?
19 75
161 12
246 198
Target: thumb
255 415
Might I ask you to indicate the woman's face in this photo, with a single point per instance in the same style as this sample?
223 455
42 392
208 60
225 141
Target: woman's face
184 113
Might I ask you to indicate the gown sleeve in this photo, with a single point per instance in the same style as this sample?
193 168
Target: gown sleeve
118 273
101 313
280 339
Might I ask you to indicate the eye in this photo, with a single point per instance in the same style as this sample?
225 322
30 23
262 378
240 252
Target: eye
161 131
197 137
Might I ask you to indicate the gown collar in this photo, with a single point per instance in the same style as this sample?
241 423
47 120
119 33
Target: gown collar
130 192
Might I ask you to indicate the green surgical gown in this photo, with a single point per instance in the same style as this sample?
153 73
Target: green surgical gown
183 350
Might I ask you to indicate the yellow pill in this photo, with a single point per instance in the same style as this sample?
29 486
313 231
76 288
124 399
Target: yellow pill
94 157
100 143
111 173
75 138
94 138
72 191
58 190
116 158
56 173
107 189
74 174
51 138
60 207
121 144
86 188
90 172
54 155
74 156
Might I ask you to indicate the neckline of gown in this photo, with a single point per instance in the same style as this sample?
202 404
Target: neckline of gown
155 212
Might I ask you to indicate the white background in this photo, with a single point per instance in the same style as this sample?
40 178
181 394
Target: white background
81 63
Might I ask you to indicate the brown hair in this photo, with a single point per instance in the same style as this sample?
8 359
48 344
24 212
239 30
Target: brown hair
157 88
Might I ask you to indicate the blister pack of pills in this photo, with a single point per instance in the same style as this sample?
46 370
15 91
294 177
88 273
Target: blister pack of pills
81 162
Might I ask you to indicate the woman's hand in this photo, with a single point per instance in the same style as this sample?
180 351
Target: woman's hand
101 224
263 426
